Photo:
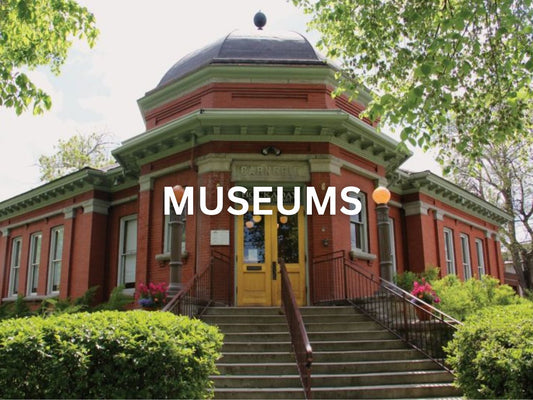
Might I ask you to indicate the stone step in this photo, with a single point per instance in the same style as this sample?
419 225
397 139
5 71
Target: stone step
406 391
253 357
288 366
334 380
257 346
366 355
245 353
344 327
254 311
257 337
264 368
305 311
442 391
327 344
361 367
216 319
258 393
330 310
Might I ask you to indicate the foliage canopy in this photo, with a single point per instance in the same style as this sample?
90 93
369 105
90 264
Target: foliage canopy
77 152
430 64
34 33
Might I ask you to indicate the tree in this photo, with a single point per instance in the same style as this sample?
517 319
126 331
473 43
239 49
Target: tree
34 33
503 175
431 63
76 153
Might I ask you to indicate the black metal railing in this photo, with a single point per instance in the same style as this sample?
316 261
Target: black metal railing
204 289
300 342
337 279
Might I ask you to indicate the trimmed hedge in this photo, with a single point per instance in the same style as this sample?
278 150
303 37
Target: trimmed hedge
492 353
108 354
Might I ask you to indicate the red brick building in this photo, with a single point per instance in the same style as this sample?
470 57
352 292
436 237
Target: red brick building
252 109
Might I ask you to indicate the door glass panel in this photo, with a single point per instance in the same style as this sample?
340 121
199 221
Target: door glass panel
254 238
288 238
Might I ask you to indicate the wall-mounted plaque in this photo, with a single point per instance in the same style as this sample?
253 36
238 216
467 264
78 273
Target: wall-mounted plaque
219 238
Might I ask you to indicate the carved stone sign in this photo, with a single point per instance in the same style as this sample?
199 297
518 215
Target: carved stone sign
270 171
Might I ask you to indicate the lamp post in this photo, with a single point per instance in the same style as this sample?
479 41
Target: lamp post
381 196
176 235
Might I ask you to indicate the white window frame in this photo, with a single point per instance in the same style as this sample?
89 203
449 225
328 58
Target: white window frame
465 254
14 271
34 261
359 225
122 254
449 252
56 234
480 258
166 235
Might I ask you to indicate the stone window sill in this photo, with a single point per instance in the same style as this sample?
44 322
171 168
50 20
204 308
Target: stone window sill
362 255
31 297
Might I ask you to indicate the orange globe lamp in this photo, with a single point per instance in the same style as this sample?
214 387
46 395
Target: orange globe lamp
381 195
178 192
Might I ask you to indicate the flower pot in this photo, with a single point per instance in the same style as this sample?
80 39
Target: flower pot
423 312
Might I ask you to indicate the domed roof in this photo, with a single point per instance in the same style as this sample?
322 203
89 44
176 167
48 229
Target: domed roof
255 47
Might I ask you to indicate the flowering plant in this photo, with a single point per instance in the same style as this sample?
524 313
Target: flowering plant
424 291
152 295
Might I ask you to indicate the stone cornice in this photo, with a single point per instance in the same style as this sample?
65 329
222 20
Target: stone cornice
66 187
440 189
253 125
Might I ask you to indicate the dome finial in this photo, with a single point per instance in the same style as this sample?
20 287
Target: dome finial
260 20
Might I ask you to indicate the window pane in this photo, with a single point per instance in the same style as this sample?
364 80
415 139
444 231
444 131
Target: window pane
448 250
130 240
358 225
58 242
35 258
254 238
288 238
15 264
129 268
480 257
56 275
467 269
15 281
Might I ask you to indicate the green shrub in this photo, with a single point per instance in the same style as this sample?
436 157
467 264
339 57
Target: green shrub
108 354
492 353
460 299
406 279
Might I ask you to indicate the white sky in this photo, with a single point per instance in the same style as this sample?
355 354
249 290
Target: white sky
98 88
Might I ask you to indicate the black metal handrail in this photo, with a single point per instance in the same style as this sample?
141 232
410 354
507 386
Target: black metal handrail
418 323
203 289
300 341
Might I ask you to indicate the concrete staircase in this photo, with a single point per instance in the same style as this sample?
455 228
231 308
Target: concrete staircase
353 357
